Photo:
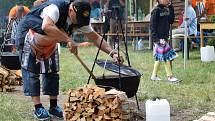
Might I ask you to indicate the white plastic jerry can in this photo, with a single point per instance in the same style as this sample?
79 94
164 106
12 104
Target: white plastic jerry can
140 45
157 110
207 54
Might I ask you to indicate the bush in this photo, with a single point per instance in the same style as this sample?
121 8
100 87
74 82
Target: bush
211 42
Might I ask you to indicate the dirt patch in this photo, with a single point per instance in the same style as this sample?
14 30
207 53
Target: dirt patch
19 95
176 115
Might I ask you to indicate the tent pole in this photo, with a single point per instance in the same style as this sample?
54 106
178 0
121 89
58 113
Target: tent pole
126 19
186 34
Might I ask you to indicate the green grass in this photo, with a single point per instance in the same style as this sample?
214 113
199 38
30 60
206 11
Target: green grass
13 109
196 92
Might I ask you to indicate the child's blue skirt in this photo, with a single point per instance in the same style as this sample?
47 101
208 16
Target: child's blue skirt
164 53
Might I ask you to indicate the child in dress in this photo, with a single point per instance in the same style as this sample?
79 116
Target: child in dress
161 18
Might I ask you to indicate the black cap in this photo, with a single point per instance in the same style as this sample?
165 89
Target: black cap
82 9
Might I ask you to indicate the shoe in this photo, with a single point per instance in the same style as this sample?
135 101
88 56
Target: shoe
155 78
172 79
41 114
57 112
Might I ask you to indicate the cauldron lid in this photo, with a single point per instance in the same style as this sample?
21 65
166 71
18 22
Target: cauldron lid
114 67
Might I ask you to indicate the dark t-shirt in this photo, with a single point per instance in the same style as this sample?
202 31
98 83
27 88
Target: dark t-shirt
161 18
117 9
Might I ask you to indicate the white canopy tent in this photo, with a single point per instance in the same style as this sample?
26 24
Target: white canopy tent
186 34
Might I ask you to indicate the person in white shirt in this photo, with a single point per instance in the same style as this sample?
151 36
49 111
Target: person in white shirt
192 26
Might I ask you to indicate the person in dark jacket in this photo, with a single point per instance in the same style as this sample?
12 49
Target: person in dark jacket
161 18
39 31
117 8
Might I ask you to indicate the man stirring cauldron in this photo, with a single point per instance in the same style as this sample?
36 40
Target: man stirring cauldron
39 31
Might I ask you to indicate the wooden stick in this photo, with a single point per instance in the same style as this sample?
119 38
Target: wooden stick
85 66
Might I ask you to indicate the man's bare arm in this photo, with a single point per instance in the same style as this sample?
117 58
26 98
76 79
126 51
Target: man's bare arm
97 40
105 47
52 31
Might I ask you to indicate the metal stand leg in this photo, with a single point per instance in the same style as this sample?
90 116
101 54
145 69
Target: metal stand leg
138 107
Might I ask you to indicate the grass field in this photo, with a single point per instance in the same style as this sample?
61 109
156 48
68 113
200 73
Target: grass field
197 89
196 92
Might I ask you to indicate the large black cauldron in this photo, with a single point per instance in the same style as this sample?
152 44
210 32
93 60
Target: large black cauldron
128 80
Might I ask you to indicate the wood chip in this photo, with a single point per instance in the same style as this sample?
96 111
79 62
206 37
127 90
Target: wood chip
106 117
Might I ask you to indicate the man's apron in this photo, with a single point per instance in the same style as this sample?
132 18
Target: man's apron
30 62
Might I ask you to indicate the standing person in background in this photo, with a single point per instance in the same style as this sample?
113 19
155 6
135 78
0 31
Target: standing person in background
161 18
117 8
14 11
15 15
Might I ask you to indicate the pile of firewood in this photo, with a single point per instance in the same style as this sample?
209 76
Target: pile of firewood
8 78
92 103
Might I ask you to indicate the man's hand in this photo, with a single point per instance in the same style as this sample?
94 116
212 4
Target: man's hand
117 59
73 47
